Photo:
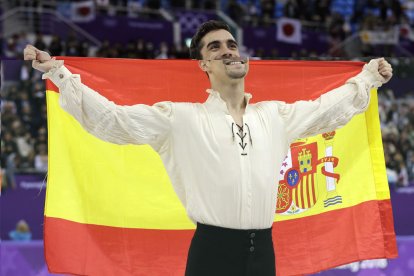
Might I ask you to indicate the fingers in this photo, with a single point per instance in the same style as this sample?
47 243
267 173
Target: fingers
29 56
30 52
386 74
45 66
385 71
384 68
35 64
39 66
30 46
383 62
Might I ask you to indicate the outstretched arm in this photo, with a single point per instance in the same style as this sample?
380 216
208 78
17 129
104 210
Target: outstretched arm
136 124
335 108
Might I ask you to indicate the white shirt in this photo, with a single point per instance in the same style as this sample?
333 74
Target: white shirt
223 177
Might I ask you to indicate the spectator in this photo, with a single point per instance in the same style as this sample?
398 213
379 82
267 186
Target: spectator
39 42
209 5
21 233
134 7
268 10
397 10
141 50
73 48
21 43
153 6
178 4
130 50
402 174
291 9
103 51
3 180
163 51
8 146
10 48
56 46
322 9
235 11
149 49
40 162
252 13
22 138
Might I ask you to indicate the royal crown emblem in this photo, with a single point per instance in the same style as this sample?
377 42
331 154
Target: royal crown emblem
298 185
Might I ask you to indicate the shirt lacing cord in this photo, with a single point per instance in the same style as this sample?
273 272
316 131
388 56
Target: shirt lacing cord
242 135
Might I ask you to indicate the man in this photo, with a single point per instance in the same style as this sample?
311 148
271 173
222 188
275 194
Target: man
220 155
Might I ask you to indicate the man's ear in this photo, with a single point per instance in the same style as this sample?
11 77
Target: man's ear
203 65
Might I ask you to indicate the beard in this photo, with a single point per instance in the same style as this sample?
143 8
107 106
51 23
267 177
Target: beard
236 73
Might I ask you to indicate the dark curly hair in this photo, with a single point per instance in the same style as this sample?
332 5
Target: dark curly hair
203 29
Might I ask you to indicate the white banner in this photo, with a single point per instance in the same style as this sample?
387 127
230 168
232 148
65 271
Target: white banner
390 37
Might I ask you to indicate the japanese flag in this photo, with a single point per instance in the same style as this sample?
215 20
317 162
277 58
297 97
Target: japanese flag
289 30
83 11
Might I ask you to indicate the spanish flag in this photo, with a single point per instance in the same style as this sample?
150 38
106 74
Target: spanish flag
111 209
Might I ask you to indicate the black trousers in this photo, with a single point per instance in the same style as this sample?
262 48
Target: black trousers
218 251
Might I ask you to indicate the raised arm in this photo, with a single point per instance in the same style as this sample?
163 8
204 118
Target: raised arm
136 124
335 108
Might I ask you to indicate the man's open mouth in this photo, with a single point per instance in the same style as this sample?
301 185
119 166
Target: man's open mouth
234 61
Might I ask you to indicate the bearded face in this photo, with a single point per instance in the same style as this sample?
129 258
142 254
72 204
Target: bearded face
221 57
235 68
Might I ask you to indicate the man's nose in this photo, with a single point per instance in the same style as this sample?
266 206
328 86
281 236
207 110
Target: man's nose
227 54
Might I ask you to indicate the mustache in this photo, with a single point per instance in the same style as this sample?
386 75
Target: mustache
228 60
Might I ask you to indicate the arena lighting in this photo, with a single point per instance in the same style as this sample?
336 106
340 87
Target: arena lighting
187 42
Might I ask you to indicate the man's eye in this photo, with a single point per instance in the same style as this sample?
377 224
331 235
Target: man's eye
233 46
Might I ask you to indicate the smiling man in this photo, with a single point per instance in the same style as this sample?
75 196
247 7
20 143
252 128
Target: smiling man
218 55
221 155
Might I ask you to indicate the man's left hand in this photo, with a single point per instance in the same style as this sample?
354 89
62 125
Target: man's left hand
385 69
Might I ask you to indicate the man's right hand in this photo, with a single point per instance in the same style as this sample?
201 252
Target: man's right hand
42 61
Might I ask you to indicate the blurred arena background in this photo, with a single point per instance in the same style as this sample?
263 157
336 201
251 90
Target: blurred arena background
160 29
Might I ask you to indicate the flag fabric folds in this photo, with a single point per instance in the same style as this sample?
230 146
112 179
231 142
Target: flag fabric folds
111 210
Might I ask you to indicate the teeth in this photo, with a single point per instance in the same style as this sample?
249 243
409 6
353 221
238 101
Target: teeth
235 62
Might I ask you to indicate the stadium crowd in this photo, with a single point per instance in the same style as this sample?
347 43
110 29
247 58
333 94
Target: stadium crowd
397 127
23 126
260 12
338 18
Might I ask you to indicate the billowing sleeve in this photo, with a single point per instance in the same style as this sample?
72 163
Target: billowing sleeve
136 124
333 109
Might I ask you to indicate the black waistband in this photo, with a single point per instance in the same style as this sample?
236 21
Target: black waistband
205 228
